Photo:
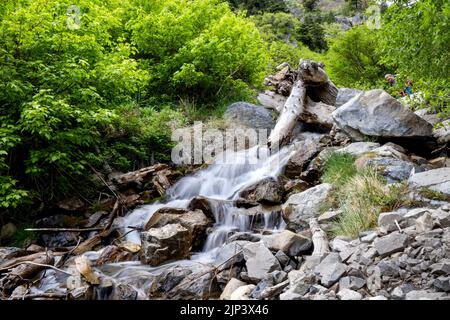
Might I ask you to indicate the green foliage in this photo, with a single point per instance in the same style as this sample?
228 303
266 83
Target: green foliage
198 49
354 60
259 6
416 40
339 168
361 199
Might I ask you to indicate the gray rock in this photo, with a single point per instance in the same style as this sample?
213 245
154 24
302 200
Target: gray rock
375 113
370 237
397 293
352 283
442 217
442 284
300 282
170 242
386 220
242 293
358 148
330 269
231 286
424 223
329 216
423 295
346 94
393 170
259 261
437 180
247 115
300 207
390 244
288 295
388 269
377 298
339 244
268 190
347 294
230 254
287 241
441 268
297 163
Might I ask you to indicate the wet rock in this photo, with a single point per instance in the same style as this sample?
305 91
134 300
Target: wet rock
194 221
297 163
390 244
231 286
200 283
60 239
111 254
300 207
230 254
352 283
242 293
204 204
330 269
289 242
442 284
247 115
124 292
169 242
358 148
268 190
245 236
375 113
259 261
347 294
437 180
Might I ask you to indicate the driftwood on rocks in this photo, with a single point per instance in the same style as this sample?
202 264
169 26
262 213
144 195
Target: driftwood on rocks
308 81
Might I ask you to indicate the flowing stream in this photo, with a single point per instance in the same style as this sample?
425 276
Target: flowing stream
221 181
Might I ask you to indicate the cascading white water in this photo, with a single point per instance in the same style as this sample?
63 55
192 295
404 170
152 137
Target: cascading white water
221 181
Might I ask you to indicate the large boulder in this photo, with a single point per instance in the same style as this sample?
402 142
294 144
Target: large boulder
437 180
394 170
170 242
259 261
305 151
247 115
268 190
344 95
358 148
300 207
195 221
376 114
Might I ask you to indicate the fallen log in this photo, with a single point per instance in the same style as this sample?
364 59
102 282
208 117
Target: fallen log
309 80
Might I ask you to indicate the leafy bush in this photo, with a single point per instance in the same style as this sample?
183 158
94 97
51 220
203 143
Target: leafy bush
198 48
354 60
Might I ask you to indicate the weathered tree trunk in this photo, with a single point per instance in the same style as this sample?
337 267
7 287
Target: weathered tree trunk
288 118
308 80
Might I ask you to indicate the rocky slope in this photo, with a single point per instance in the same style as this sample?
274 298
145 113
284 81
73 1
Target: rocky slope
278 246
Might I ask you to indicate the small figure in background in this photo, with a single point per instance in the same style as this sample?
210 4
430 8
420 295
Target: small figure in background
390 78
407 90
